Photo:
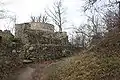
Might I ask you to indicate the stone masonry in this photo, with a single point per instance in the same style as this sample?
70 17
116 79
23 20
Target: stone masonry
39 33
41 42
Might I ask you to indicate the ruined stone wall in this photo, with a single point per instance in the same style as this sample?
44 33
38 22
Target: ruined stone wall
42 26
62 36
39 37
45 52
34 26
45 34
40 44
20 32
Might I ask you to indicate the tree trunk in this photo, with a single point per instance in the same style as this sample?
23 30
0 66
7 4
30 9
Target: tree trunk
60 29
119 7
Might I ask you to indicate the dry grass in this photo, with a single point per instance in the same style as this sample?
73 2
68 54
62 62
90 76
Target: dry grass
85 67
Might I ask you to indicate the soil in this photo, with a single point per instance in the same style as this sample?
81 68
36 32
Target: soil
32 71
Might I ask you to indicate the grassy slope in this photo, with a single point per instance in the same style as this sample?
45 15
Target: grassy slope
86 67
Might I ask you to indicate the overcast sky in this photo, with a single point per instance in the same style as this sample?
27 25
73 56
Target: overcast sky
23 9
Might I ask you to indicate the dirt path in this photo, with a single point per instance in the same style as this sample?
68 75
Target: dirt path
32 72
26 74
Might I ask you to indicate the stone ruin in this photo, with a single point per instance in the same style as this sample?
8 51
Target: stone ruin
40 33
41 42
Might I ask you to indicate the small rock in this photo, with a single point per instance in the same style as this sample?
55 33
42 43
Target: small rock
27 61
31 48
7 62
33 58
77 62
118 43
45 48
14 51
27 51
19 51
13 43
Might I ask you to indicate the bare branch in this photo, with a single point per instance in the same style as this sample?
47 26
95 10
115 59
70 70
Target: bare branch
56 14
40 18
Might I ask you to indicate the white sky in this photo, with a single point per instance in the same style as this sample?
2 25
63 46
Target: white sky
23 9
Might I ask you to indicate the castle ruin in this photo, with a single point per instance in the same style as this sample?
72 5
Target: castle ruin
41 42
40 33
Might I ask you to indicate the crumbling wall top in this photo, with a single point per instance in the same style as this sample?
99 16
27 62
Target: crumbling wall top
41 33
36 26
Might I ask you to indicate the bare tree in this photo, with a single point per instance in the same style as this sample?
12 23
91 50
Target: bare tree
92 29
98 19
33 18
80 37
40 18
112 21
89 4
9 16
80 40
57 14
